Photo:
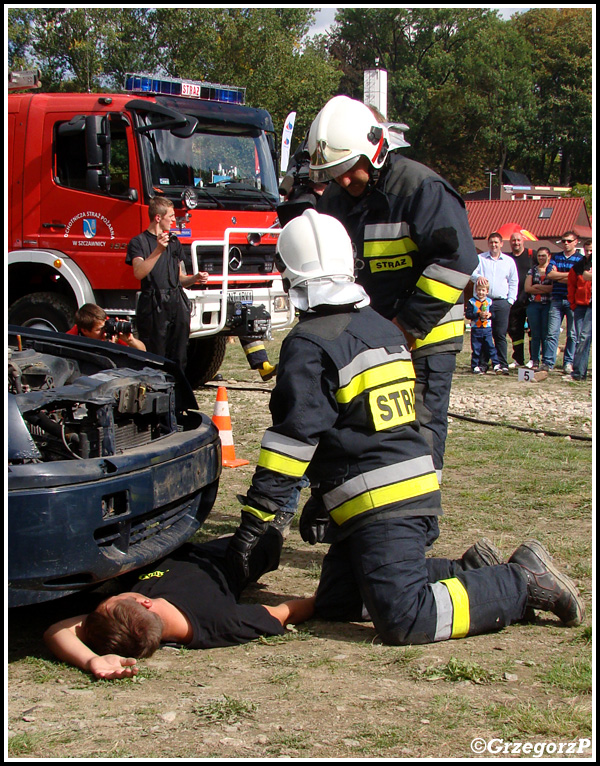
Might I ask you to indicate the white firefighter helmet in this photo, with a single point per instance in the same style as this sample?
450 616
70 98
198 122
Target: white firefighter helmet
314 246
342 132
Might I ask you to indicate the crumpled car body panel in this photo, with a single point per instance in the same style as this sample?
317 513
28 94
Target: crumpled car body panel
111 466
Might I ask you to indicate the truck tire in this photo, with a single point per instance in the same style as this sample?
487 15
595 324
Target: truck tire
45 311
205 357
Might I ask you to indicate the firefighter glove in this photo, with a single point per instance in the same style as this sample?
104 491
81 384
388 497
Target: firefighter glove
242 543
314 521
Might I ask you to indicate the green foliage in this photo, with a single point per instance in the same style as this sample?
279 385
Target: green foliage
256 48
476 91
562 41
585 192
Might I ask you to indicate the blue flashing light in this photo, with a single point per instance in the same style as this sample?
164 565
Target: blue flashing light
167 86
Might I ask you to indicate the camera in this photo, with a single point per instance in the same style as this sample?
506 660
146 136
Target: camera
297 187
114 327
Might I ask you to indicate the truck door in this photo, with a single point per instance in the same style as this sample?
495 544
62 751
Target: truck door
89 206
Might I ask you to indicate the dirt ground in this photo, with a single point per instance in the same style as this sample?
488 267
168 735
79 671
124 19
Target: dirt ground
327 690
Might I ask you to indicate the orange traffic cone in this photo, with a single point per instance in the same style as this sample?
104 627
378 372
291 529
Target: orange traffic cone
223 422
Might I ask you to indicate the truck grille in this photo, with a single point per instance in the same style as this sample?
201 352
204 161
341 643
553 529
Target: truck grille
243 259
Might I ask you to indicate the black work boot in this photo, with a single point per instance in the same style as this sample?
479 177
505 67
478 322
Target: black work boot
547 588
483 554
282 522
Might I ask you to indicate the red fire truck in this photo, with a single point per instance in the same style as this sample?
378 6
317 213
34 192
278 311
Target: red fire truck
82 169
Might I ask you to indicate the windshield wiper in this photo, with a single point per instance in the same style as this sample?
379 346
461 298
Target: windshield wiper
236 186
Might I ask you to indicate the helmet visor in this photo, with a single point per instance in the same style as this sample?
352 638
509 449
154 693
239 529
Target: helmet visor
325 157
322 175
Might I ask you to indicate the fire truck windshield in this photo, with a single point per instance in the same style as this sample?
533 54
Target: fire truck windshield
218 159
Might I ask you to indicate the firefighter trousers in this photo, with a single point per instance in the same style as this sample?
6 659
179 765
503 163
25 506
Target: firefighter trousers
432 398
380 572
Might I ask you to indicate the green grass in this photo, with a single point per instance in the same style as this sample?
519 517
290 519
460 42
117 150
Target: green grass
457 670
227 710
293 695
529 720
573 676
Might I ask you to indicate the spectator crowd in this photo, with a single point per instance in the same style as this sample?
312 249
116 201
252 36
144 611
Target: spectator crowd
531 293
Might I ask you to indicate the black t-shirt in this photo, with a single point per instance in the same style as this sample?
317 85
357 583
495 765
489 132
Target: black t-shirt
193 580
523 262
165 274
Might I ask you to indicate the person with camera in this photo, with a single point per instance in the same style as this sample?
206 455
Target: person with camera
91 322
163 310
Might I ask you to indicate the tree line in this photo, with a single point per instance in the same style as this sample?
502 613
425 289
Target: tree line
478 92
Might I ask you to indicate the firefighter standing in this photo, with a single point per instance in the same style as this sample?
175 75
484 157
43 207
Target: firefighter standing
414 249
343 415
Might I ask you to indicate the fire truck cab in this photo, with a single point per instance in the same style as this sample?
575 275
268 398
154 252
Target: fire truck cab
82 170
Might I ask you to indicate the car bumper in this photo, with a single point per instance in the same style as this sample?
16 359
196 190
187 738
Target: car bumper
75 523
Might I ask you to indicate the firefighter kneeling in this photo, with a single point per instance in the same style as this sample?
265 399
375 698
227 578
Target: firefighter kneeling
342 415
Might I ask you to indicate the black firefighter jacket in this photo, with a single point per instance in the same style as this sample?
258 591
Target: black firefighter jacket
414 250
343 414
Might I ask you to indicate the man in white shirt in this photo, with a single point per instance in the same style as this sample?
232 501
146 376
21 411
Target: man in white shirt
500 270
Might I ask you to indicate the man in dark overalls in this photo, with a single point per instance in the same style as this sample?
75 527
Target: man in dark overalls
163 311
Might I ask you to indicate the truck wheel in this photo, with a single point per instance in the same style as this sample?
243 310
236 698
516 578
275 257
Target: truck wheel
205 357
43 311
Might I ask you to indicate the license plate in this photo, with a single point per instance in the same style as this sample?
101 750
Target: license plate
240 297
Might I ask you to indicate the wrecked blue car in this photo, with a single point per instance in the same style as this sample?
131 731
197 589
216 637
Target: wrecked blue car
110 464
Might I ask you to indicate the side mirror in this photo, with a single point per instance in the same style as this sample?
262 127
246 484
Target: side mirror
97 147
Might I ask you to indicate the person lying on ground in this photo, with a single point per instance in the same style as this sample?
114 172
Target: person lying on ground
190 598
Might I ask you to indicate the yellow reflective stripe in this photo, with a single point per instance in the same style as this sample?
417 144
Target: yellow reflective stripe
251 348
381 248
392 493
461 620
374 377
289 466
439 290
442 332
262 515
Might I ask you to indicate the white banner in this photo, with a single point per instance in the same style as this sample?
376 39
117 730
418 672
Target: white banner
286 141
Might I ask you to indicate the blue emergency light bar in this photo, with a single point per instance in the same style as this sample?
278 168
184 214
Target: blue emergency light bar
167 86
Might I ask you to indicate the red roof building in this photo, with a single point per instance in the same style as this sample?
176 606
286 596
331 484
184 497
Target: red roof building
545 218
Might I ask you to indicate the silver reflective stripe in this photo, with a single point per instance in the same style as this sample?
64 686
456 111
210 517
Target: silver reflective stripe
456 313
380 477
368 359
387 231
448 276
287 446
444 610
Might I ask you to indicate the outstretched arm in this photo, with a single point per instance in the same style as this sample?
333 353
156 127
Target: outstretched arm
66 641
293 612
